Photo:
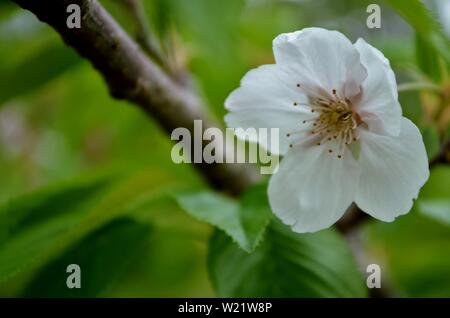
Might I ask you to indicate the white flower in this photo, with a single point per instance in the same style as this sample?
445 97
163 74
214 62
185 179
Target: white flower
343 136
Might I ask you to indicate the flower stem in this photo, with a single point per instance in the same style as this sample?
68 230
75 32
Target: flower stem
417 86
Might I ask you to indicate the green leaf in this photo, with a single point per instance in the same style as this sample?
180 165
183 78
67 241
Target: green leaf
434 200
30 223
255 214
215 209
428 59
37 227
36 71
103 257
173 262
425 25
244 221
286 264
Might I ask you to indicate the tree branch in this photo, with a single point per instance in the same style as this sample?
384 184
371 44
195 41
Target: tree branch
352 219
443 157
130 75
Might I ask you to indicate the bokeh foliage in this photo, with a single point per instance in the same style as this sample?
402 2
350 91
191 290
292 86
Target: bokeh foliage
88 180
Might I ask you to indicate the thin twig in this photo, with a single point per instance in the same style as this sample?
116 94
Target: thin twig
144 35
417 86
151 44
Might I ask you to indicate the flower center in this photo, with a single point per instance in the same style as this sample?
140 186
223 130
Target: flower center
335 123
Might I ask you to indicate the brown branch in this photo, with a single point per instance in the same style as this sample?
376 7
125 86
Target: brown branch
130 75
352 219
443 157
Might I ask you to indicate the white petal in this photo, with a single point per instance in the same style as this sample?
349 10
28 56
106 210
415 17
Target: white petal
320 59
264 101
313 188
379 106
393 169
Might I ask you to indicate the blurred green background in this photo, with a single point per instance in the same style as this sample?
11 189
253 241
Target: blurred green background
74 162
